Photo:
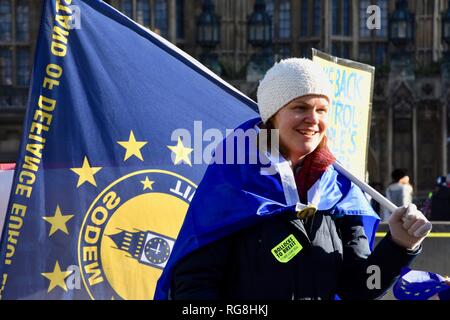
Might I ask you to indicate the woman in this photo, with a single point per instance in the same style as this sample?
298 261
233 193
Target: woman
271 248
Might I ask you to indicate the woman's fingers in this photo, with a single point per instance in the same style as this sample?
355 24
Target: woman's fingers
409 226
410 216
398 215
409 221
416 225
424 230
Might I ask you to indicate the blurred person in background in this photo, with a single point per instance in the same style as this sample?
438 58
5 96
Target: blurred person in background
440 200
399 192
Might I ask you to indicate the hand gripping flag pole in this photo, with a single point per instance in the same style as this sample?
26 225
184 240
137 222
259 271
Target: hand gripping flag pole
376 195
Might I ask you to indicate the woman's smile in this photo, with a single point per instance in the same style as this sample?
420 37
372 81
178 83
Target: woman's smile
307 133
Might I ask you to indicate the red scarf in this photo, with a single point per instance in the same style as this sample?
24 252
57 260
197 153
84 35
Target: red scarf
312 168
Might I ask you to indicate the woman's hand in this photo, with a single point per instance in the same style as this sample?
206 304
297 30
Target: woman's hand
409 227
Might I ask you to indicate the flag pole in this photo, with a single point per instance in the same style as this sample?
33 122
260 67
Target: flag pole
366 188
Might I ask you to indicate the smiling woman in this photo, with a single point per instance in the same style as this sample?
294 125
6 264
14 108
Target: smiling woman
302 124
317 241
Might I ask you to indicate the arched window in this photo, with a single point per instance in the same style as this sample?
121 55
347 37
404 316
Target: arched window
15 60
22 20
317 22
384 9
5 20
364 32
161 16
304 21
126 6
402 142
5 36
429 136
23 67
341 17
310 18
373 43
143 12
6 76
381 50
341 41
149 13
270 9
180 19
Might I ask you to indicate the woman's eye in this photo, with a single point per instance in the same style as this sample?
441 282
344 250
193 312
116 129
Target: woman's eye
322 110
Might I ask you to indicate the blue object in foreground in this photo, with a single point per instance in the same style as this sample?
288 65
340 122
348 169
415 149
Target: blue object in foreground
418 285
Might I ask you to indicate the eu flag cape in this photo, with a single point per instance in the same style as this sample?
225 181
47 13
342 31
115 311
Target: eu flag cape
234 196
109 159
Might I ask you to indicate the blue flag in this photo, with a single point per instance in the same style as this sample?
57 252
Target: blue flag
107 167
420 285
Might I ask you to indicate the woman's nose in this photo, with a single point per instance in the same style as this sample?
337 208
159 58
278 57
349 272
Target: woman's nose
312 117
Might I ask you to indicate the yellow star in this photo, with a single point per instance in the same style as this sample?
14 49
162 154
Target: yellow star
181 152
56 278
133 147
86 173
148 184
58 221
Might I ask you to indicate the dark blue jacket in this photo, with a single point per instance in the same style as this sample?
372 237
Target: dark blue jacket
335 259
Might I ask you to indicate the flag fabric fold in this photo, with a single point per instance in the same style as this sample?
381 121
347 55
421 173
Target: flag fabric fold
419 285
234 196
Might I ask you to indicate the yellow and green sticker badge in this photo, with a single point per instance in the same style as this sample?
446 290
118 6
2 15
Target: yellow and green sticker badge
287 249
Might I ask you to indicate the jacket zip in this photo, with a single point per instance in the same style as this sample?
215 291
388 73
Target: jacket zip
314 296
301 225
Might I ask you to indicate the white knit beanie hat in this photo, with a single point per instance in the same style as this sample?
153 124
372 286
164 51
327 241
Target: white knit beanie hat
289 79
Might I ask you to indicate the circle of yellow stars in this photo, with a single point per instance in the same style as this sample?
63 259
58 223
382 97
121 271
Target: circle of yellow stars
86 174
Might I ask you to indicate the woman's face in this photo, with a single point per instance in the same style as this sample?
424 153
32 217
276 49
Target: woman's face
302 124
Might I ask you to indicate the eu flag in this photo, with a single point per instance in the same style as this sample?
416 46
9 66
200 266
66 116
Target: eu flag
107 166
